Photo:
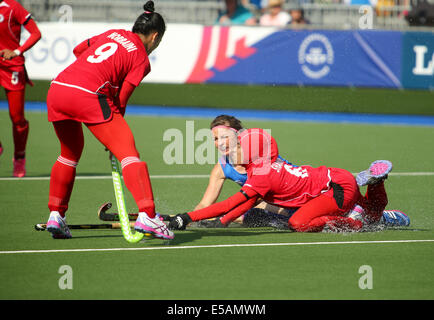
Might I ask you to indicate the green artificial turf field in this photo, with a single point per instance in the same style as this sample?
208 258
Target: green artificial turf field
231 96
232 263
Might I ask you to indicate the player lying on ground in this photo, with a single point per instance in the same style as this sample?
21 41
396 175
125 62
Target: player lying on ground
222 128
13 74
94 90
322 195
263 214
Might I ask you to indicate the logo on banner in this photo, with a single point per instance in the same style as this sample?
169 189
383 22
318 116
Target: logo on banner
222 61
421 68
315 56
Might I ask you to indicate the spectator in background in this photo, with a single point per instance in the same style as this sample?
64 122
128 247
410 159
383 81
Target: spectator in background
275 15
361 2
256 3
384 7
297 17
236 14
421 14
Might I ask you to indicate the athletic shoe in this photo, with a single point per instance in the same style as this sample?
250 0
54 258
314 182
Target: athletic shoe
1 150
377 172
389 217
357 213
19 167
57 226
395 218
155 225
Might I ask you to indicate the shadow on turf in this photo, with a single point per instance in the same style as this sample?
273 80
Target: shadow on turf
193 234
190 235
96 236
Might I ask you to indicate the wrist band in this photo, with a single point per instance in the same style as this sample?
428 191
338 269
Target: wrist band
17 52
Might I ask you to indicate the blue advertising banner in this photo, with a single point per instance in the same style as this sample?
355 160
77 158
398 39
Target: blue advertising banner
323 58
260 55
418 60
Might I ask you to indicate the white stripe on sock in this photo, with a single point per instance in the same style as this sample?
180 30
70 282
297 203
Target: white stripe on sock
67 162
129 160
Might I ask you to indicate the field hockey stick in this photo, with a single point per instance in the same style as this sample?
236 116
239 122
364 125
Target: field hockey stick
112 216
120 202
43 226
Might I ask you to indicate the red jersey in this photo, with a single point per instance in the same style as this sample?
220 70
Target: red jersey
290 186
12 17
112 57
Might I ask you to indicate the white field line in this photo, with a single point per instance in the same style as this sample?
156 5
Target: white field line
187 176
219 246
105 177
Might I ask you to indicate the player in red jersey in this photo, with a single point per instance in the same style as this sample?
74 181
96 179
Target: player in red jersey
223 127
322 195
94 90
13 75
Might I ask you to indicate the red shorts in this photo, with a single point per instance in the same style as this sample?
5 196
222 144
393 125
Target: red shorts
344 189
67 103
14 78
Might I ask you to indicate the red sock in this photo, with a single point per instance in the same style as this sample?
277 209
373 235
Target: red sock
136 178
116 135
20 126
375 201
20 134
61 184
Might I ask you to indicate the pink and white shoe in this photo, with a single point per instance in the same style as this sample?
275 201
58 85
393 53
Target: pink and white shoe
155 225
57 226
377 171
19 167
357 213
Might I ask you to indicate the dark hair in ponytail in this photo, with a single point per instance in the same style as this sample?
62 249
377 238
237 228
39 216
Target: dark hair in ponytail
149 21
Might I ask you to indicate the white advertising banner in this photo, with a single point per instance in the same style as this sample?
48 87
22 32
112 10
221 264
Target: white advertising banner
187 53
171 62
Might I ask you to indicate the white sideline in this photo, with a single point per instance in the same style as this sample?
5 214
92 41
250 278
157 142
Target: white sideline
105 177
184 176
218 246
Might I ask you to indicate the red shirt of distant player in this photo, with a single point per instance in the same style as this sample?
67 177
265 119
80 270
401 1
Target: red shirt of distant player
12 17
112 57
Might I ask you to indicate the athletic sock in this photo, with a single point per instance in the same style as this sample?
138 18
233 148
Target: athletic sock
61 184
20 133
20 126
375 201
137 181
61 214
